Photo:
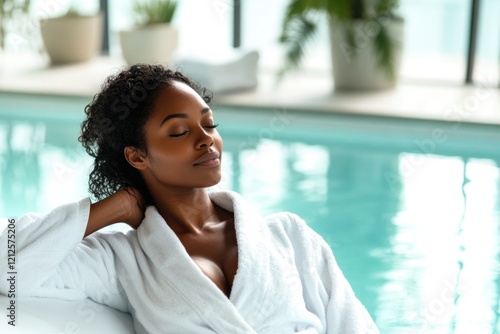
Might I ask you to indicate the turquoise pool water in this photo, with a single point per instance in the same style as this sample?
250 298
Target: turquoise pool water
411 210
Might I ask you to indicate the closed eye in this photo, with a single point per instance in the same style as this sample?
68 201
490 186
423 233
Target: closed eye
178 134
183 133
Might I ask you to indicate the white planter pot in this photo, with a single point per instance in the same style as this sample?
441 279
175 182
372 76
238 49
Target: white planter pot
151 44
72 39
357 68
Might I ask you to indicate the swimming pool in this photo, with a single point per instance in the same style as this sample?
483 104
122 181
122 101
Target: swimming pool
411 210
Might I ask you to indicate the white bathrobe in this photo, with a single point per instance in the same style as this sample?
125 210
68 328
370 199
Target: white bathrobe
287 279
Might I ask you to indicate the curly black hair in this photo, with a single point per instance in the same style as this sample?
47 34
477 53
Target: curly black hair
115 119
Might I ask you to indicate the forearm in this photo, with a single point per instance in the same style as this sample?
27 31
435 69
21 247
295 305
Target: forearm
106 212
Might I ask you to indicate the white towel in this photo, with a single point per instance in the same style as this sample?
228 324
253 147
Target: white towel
224 71
287 279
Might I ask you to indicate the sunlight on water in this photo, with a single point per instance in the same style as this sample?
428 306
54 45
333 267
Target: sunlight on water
263 173
446 248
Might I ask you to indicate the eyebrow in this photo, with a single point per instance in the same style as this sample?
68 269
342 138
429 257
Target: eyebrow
202 112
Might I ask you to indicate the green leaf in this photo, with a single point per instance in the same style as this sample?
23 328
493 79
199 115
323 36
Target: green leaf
386 5
299 27
155 11
385 47
298 33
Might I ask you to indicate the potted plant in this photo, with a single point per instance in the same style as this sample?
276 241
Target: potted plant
73 37
365 39
154 38
8 9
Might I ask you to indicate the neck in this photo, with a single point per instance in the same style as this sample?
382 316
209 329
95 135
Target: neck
187 211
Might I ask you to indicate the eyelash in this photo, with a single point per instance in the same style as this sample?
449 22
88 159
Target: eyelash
206 126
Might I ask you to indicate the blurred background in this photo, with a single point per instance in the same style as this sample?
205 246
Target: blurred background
400 172
436 40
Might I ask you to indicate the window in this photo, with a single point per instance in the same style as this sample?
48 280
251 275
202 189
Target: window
487 64
436 39
436 42
204 26
435 45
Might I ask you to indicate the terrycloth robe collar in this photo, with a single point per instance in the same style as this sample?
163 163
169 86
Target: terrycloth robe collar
240 312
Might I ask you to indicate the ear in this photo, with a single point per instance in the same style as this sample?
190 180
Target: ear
135 157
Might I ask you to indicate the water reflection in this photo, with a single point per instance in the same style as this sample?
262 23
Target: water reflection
42 165
478 301
20 167
445 249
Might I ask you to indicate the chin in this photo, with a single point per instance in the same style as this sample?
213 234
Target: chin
211 180
211 184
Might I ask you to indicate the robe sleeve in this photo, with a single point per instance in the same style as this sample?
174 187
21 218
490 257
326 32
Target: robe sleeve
52 260
326 290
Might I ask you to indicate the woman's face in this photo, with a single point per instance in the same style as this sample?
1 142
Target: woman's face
183 147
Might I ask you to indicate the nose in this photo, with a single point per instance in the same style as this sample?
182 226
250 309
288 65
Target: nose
205 139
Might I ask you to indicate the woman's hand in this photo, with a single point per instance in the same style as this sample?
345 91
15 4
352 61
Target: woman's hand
133 206
126 205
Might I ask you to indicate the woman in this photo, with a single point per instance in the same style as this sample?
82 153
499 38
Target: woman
195 261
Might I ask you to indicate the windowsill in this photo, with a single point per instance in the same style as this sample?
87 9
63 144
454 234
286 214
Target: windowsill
29 73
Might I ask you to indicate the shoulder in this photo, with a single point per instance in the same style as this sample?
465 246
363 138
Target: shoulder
293 227
285 220
310 250
282 225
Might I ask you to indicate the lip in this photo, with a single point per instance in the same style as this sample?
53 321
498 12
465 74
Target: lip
208 159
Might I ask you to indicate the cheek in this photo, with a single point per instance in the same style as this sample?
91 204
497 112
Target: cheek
167 158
